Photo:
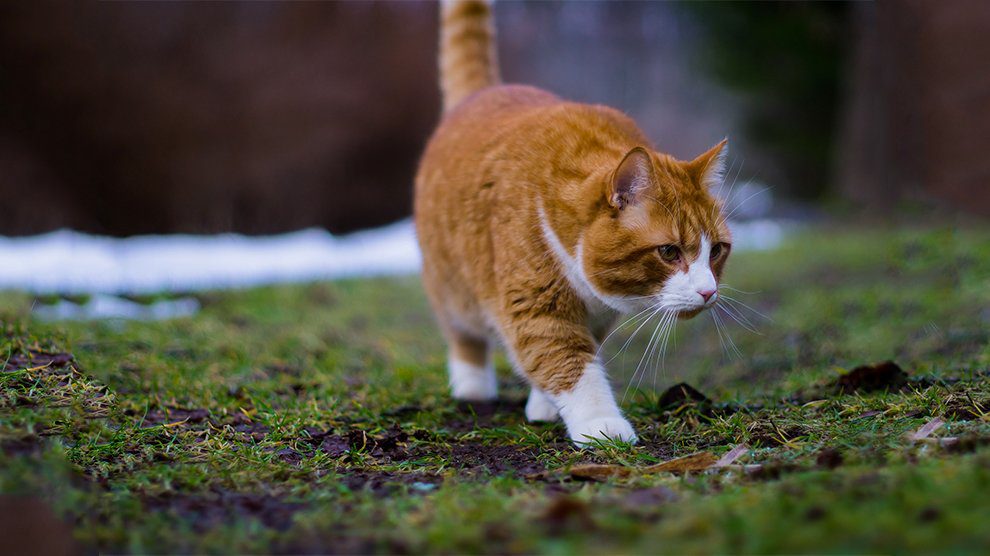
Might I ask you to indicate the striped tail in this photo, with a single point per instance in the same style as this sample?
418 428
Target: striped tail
468 60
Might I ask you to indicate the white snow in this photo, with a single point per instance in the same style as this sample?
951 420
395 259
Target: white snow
103 306
73 263
67 262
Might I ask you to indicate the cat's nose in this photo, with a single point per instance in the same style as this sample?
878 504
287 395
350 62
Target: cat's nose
706 294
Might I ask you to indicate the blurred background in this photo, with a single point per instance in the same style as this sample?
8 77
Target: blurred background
138 118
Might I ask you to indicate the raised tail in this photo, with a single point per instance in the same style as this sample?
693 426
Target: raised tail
468 58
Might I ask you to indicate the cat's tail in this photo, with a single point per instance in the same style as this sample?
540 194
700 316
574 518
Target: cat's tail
468 60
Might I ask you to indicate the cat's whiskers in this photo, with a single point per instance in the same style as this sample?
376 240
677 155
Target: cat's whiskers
728 337
744 201
734 301
662 355
653 338
740 319
654 308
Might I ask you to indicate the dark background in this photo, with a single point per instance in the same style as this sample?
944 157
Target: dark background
129 118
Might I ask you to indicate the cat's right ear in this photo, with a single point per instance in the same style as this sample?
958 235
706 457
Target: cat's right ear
631 178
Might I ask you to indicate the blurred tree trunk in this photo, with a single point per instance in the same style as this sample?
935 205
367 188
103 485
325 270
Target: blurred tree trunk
917 114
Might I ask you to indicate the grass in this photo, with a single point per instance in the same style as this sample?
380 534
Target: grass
316 418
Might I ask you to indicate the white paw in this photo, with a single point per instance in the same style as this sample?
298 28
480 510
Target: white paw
472 383
539 407
602 428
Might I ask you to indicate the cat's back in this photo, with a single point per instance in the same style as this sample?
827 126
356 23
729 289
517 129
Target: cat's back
490 118
515 128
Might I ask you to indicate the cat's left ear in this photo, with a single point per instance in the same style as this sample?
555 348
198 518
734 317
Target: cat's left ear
709 168
631 178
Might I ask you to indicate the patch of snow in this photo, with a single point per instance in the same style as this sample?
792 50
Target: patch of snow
73 263
67 262
103 306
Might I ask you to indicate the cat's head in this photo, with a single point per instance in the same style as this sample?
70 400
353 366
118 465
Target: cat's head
660 238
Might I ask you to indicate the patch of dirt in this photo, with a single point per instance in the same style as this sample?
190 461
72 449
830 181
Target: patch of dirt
168 415
872 378
383 483
963 407
771 471
21 447
472 415
199 419
205 511
966 444
829 458
387 446
684 396
647 503
37 358
476 458
566 513
769 434
30 526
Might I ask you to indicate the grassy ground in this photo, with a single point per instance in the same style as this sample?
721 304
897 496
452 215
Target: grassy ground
315 418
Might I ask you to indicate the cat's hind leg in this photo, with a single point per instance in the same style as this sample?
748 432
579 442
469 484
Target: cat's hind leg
471 368
539 406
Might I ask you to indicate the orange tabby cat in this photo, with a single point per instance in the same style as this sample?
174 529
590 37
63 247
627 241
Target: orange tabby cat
539 219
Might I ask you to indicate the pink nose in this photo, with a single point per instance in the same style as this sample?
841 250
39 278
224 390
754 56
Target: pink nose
706 294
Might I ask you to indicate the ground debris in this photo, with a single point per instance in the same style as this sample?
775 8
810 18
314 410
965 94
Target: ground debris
34 358
872 378
599 472
680 395
829 458
927 429
567 513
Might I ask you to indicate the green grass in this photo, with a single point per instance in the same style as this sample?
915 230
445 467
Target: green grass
316 418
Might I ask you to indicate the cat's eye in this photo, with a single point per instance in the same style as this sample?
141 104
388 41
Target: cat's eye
669 253
716 251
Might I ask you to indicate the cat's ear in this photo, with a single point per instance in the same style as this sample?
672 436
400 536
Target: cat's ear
631 178
709 168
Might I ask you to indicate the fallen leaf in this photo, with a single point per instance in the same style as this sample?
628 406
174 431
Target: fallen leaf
927 429
599 472
732 455
693 462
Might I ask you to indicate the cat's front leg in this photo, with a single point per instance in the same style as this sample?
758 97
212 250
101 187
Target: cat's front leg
558 359
589 409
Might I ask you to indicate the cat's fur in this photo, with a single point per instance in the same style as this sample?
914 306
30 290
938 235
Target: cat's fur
540 219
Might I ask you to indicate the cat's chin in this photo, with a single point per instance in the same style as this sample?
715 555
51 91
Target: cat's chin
690 314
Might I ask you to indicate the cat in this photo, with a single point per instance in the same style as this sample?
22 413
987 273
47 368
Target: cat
539 219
